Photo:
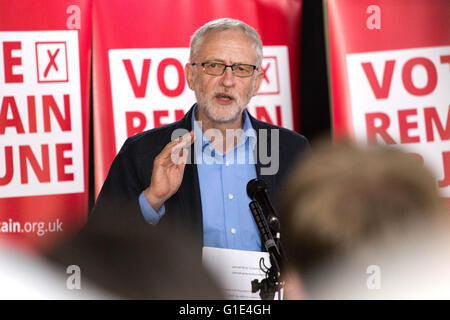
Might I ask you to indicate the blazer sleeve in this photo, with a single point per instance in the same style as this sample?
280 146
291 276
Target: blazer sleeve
121 189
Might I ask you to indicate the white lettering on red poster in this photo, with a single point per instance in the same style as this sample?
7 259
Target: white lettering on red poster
402 98
41 149
273 102
149 89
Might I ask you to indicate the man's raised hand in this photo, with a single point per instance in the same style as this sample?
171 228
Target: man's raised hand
168 170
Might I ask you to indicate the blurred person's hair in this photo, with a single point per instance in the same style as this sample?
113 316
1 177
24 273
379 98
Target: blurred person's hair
343 195
128 258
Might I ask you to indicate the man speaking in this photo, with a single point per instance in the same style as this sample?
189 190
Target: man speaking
195 171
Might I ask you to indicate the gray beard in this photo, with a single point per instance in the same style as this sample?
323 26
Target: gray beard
203 105
210 116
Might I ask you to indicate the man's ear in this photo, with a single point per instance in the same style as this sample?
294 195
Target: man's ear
189 71
258 81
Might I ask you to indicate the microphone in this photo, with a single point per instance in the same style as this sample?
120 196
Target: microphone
257 190
263 228
266 235
262 208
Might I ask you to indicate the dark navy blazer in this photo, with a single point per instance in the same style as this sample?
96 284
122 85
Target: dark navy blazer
131 171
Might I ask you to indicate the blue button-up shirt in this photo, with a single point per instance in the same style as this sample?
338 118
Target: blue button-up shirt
227 219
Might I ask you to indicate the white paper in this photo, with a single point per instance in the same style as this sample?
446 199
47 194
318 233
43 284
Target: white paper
234 270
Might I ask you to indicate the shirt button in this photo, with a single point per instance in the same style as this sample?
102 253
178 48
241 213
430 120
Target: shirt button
233 230
230 196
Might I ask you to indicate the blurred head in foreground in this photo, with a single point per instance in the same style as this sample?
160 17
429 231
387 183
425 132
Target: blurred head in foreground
127 258
348 206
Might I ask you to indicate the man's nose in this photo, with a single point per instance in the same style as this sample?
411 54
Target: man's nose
228 79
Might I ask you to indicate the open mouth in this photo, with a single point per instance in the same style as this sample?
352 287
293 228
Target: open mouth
224 98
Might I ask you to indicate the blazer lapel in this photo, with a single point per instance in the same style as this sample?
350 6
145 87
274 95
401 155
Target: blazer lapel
269 179
189 191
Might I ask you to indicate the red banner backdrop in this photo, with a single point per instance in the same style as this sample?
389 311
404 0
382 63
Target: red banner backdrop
45 62
141 47
390 76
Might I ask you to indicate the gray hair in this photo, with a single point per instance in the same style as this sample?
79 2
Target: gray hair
223 25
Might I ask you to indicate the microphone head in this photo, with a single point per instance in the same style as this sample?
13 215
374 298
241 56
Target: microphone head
254 186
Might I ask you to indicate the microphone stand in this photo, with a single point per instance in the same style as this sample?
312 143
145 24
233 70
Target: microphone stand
272 283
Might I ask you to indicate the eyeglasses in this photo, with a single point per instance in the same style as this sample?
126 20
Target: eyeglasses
218 69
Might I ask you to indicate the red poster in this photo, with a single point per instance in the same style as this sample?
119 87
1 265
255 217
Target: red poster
45 64
390 76
141 47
